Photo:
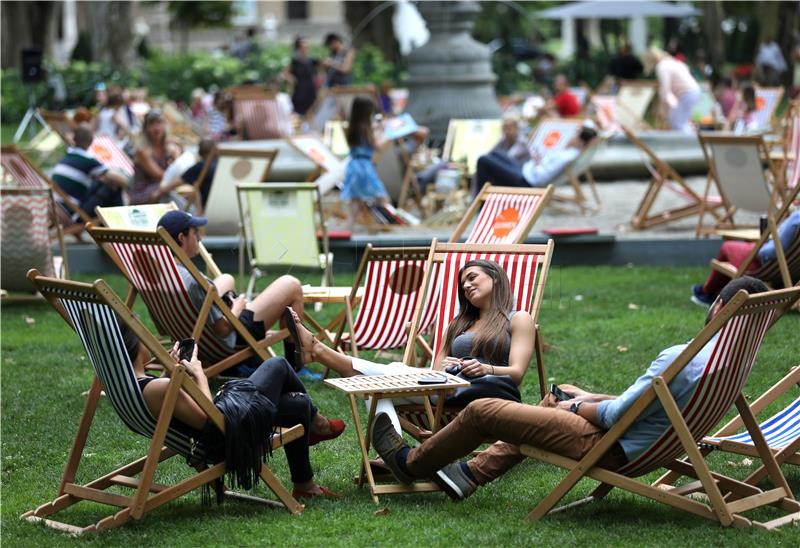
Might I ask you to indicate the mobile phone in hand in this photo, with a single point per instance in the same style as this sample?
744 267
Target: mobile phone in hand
558 393
185 349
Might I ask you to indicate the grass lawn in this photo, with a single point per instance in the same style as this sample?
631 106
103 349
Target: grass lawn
604 326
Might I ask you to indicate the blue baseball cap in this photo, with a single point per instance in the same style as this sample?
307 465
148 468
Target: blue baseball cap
176 222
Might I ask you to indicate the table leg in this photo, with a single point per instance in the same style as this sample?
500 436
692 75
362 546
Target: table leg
426 402
364 453
439 411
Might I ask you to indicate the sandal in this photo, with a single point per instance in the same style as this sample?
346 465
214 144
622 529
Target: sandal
336 427
326 493
288 321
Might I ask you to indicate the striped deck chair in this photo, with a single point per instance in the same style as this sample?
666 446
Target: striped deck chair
145 217
392 279
469 139
736 167
149 261
662 176
234 166
25 241
25 174
605 112
527 267
258 118
767 101
633 101
789 158
94 312
736 334
106 150
503 215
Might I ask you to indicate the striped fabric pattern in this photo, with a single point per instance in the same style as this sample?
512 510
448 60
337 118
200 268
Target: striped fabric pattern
727 370
22 173
25 237
503 217
107 152
552 135
770 272
779 430
259 116
522 270
606 110
99 332
766 101
793 167
391 288
154 272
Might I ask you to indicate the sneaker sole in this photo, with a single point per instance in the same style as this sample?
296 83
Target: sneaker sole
449 487
698 302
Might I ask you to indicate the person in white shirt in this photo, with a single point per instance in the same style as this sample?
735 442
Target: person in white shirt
678 90
770 62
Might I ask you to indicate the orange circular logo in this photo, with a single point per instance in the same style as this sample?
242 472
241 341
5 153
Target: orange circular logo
551 139
505 222
406 279
102 153
760 102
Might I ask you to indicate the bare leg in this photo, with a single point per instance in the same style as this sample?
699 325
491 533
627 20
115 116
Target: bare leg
313 350
224 283
270 303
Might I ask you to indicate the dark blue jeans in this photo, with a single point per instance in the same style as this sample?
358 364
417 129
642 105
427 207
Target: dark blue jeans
497 168
101 195
276 379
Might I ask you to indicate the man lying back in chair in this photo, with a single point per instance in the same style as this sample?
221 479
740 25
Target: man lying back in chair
256 315
499 168
569 428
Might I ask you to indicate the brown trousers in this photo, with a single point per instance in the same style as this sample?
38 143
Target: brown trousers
513 424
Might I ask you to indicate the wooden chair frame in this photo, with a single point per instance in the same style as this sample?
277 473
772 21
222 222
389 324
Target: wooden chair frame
573 173
542 195
60 123
107 237
663 176
714 485
148 494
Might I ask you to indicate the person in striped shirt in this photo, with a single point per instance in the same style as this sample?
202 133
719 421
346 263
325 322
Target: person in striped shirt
85 178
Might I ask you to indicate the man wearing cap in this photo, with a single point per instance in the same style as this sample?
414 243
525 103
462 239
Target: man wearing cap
256 315
499 169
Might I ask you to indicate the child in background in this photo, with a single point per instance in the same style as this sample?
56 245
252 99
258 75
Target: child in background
742 118
362 186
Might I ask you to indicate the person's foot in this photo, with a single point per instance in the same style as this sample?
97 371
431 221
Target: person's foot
306 341
699 297
318 491
453 480
323 429
388 443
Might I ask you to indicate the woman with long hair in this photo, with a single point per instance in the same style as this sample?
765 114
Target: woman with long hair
488 342
362 186
154 154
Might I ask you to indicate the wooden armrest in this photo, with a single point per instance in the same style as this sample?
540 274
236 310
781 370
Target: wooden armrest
743 234
723 268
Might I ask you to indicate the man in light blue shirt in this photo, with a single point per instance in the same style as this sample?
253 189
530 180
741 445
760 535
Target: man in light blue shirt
571 427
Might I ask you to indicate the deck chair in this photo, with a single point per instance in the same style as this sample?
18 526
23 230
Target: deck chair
663 177
145 217
149 261
553 134
335 137
578 169
736 334
633 101
234 166
503 215
44 146
605 112
469 139
279 224
527 267
392 279
106 150
335 104
92 311
767 101
61 124
393 165
256 113
25 174
735 167
25 240
181 126
313 148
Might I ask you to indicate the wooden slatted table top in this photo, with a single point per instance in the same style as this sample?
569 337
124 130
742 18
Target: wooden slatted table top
393 384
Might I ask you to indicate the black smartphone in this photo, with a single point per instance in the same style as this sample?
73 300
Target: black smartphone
185 349
433 379
558 393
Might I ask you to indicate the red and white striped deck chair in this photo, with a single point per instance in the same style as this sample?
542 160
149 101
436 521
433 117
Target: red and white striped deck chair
735 336
95 312
107 152
256 113
392 279
22 173
767 101
527 267
149 260
605 112
503 215
552 134
790 171
25 241
662 176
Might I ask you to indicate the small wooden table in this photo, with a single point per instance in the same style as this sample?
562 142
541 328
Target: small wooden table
328 295
393 386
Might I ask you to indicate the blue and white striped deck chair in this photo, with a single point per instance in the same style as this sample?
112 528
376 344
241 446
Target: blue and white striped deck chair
94 311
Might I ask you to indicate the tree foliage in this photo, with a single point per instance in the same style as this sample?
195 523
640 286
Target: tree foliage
205 14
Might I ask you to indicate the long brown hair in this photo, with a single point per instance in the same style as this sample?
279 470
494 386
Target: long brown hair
490 342
359 128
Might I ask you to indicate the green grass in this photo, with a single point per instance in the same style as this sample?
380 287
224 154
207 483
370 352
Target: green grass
44 372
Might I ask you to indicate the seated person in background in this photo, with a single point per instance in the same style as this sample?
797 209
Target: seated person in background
84 178
112 121
569 428
257 315
499 169
512 142
725 95
190 176
735 252
563 103
220 117
154 155
742 117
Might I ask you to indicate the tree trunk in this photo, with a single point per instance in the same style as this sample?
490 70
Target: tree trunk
789 17
378 31
715 41
26 25
111 32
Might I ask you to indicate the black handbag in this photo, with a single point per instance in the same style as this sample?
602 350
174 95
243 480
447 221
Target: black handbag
487 386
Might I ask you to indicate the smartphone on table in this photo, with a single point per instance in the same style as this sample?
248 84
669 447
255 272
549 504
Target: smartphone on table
433 379
185 349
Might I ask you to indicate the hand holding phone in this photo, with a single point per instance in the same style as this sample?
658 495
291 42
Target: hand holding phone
559 394
185 349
